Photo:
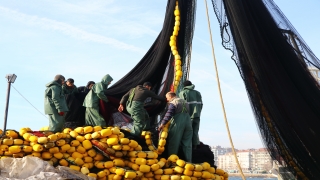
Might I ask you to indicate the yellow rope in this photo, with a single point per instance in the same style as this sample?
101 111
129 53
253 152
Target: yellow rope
221 99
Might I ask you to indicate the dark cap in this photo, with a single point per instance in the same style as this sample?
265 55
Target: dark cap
187 83
147 84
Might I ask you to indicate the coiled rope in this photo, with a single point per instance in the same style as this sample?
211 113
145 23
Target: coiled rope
221 99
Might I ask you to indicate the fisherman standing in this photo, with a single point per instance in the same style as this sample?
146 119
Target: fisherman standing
55 104
69 87
91 102
194 100
180 129
134 100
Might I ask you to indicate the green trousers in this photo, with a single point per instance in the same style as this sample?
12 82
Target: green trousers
139 115
56 122
195 128
93 117
180 135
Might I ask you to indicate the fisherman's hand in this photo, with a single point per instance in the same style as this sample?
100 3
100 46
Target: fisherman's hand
120 108
61 113
160 127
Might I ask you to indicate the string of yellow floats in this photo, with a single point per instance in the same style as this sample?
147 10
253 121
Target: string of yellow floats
174 49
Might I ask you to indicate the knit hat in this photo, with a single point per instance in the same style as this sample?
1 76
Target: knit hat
187 83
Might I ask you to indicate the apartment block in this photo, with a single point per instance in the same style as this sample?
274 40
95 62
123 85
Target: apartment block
218 150
251 160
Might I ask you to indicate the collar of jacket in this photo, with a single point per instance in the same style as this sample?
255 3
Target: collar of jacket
173 99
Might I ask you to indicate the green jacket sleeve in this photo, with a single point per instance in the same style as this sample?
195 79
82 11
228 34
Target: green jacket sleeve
99 90
155 96
125 97
56 93
201 105
64 89
182 95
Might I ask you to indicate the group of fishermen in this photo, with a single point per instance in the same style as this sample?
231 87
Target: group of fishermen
183 112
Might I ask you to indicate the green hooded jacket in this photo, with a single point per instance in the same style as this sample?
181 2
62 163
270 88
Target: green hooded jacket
97 92
54 99
194 99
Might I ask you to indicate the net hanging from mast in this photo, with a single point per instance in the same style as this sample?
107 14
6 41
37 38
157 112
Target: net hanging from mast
157 65
274 63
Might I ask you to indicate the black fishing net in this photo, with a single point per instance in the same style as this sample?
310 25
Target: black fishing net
274 63
157 66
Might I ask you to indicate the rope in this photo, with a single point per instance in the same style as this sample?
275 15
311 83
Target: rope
221 99
29 102
189 62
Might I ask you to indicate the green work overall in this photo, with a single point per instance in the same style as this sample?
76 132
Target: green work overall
180 134
138 114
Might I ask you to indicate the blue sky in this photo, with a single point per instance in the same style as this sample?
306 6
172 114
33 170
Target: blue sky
85 40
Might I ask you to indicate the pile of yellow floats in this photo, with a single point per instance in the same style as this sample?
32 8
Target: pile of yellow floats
105 153
174 50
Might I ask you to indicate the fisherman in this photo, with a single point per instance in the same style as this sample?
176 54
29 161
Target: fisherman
55 104
194 100
75 98
87 88
69 87
180 129
134 100
91 102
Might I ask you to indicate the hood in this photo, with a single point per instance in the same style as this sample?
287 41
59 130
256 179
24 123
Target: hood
189 87
106 79
52 83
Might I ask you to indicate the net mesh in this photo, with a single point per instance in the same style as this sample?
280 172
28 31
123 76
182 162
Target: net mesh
157 67
274 63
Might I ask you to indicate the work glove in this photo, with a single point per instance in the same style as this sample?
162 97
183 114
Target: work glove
61 113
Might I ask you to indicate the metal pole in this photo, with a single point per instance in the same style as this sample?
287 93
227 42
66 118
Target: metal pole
7 107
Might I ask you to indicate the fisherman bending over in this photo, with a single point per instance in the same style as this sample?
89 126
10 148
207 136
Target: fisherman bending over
134 100
91 102
180 129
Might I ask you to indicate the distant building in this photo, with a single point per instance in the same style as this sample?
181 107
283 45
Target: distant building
251 160
218 150
261 160
315 73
